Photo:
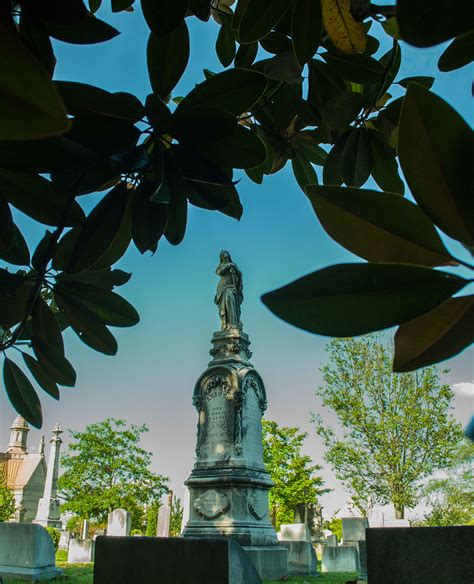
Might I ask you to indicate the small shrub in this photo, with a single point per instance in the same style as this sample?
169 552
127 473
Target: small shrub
55 536
136 532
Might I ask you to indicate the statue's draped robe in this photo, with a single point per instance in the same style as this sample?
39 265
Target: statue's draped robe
229 294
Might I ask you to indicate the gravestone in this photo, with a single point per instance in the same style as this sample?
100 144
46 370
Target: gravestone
81 551
419 555
295 532
174 560
26 552
119 522
340 559
85 529
353 529
296 537
363 560
229 483
64 540
396 523
164 518
331 540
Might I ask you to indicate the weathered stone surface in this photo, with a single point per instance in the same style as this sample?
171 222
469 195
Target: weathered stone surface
26 552
331 540
417 555
163 521
363 559
396 523
353 528
295 532
301 557
340 559
271 560
119 522
81 551
152 560
64 540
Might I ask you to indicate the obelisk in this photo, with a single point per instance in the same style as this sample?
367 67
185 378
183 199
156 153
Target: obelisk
48 513
229 484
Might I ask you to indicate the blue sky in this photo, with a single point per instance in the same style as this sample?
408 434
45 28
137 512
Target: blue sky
277 240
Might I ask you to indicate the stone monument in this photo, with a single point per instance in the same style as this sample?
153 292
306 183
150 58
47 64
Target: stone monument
48 514
119 522
229 483
164 518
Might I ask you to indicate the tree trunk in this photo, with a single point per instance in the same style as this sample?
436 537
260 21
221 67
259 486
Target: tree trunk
399 511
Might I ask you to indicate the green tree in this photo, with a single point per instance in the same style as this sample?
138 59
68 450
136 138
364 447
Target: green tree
292 472
7 500
452 496
396 428
152 518
354 118
106 469
176 517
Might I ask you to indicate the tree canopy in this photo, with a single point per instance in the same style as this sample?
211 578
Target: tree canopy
7 500
302 81
294 475
395 429
105 469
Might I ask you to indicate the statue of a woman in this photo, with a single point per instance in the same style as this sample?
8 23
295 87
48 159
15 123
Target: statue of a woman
229 295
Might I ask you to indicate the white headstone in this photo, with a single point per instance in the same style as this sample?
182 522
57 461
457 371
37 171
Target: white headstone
119 522
396 523
376 518
64 540
163 524
185 509
81 551
85 529
295 532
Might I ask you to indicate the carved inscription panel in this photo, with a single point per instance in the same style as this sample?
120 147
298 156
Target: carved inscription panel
218 423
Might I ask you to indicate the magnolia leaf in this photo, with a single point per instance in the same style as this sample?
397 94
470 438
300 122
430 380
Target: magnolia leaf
379 227
436 336
306 25
223 198
26 114
149 218
177 208
225 43
41 377
86 325
21 393
167 58
245 55
385 166
342 110
356 162
6 225
425 24
348 35
353 299
434 147
54 363
458 54
164 16
106 278
356 68
86 31
107 306
18 253
303 170
424 80
44 325
259 17
14 291
332 165
40 257
304 143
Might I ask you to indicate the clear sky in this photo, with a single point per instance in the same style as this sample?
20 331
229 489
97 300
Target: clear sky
277 240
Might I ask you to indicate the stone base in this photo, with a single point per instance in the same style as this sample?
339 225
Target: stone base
30 574
301 557
271 562
340 559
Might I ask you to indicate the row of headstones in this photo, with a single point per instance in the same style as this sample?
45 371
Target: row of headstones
81 550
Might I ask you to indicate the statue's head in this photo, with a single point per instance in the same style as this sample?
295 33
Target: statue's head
225 256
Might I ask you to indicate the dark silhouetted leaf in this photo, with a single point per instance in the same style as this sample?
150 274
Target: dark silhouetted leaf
17 253
6 225
353 299
89 30
332 165
107 306
356 68
38 198
225 43
245 55
158 114
234 91
305 144
221 198
422 80
104 134
164 16
306 25
26 114
424 24
435 147
41 377
385 167
356 163
284 67
39 258
100 228
54 363
200 8
177 208
13 298
21 393
44 325
167 58
379 227
106 278
276 42
260 17
149 219
120 5
33 33
342 110
86 325
436 336
303 171
458 54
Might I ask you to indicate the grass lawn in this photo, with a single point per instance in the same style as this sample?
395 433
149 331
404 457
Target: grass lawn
82 574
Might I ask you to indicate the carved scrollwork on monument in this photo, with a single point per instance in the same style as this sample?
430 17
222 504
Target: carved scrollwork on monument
258 505
218 384
231 348
212 504
252 383
239 398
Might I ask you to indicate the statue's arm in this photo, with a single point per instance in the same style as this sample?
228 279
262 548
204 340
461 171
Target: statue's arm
222 269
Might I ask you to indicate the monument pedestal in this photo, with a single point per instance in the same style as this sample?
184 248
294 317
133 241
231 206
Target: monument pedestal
229 484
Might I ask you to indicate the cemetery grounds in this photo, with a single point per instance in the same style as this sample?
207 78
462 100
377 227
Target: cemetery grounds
82 574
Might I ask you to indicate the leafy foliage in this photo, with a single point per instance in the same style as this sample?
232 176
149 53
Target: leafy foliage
292 472
55 535
7 500
105 469
452 496
152 159
396 428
